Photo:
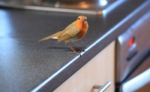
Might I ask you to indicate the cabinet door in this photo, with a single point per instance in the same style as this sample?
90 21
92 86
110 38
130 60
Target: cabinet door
96 72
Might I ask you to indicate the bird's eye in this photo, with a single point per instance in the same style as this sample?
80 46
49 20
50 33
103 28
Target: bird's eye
85 19
78 18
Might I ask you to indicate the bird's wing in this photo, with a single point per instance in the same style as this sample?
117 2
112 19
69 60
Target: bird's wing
69 32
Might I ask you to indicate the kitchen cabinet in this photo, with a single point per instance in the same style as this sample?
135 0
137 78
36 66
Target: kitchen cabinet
97 71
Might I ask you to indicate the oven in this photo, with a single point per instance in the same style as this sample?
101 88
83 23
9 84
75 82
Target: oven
133 57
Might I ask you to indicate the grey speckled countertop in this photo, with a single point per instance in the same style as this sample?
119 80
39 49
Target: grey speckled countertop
25 63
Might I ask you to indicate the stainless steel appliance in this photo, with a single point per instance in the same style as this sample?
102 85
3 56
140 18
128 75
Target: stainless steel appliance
133 57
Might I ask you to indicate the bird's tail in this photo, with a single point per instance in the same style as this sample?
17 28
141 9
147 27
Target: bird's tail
53 36
48 38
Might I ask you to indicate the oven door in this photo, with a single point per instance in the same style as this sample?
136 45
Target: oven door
133 50
139 80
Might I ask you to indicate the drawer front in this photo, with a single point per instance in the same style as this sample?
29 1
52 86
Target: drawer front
95 73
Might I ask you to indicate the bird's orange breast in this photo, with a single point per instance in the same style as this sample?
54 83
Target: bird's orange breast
83 30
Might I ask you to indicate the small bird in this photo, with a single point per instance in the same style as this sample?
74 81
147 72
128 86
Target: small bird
73 32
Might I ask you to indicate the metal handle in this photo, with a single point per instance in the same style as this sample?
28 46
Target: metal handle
103 87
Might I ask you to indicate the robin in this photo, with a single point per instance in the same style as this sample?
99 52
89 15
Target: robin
73 32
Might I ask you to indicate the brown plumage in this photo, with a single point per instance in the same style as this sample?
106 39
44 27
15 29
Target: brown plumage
73 32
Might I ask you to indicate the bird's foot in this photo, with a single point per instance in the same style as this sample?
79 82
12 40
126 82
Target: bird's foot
76 50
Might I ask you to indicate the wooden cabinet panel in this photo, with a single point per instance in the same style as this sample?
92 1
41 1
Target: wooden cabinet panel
96 72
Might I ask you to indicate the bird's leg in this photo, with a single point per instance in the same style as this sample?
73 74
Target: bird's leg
71 48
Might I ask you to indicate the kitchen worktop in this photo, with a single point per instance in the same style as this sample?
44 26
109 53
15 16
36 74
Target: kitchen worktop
28 65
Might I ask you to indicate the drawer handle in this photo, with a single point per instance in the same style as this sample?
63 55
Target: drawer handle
103 87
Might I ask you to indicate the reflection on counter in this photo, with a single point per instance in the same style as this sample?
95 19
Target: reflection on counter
71 4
